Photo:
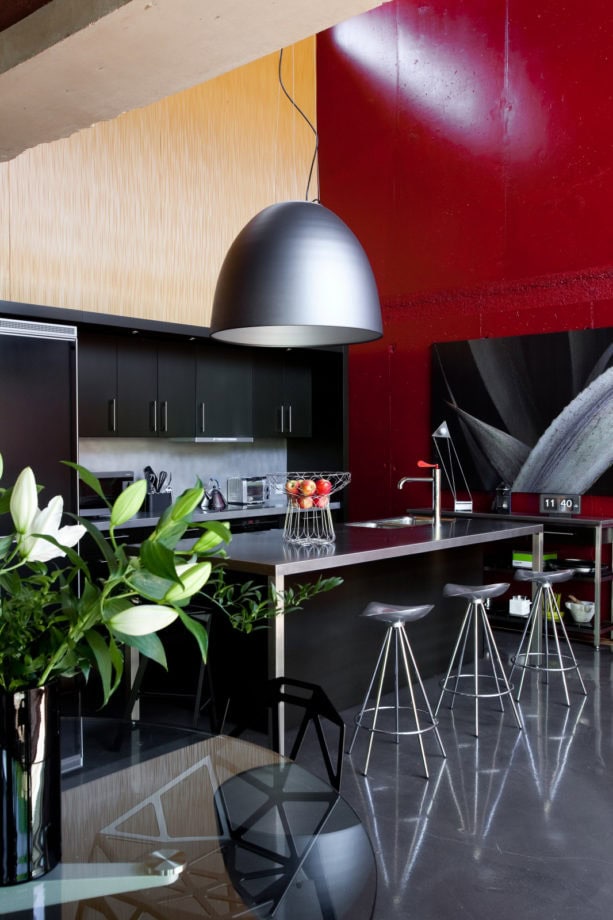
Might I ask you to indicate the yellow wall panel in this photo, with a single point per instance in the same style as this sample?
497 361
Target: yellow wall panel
133 217
5 289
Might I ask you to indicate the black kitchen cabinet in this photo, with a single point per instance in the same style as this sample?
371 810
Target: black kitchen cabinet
97 387
282 394
224 391
135 387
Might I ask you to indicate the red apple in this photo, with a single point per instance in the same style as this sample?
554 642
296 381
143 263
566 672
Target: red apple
293 486
307 487
321 501
305 501
323 486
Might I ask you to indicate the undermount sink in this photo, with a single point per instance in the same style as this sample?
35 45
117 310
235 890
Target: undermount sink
390 523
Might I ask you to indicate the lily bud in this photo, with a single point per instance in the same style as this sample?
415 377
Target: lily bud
24 500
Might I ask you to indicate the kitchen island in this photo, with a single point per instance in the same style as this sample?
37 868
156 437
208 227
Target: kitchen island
328 642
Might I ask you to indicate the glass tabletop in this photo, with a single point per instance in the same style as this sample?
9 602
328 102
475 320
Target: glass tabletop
165 822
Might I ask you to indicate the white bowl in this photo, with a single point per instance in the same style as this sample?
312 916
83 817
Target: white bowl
581 613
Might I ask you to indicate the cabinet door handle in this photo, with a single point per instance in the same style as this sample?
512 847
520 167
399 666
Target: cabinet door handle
280 419
153 415
289 419
202 417
113 414
164 415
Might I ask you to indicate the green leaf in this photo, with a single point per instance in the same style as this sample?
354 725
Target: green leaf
5 544
216 531
151 646
159 560
89 479
128 503
103 658
148 585
197 630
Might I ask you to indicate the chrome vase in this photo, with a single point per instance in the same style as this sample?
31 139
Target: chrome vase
30 792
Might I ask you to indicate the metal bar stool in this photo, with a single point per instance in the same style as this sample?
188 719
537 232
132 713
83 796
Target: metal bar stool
396 617
475 617
545 606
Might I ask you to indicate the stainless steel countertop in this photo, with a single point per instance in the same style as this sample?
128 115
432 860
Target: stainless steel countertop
267 554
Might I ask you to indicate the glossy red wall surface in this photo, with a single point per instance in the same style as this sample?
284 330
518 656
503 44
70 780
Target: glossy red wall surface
469 146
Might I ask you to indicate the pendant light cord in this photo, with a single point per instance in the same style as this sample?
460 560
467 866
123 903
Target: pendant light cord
311 126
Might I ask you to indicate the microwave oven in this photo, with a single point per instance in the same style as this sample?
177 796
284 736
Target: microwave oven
247 490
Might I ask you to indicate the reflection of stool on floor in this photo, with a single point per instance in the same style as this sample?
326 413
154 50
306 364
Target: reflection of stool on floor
475 615
530 654
396 617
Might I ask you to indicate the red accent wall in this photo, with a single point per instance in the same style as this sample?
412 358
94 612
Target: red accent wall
469 146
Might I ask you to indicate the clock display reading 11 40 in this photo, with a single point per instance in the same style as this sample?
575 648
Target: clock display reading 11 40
559 504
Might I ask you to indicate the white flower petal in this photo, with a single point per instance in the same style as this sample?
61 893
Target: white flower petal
48 520
35 549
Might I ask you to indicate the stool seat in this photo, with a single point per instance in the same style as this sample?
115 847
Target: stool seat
390 613
544 578
476 625
397 654
475 592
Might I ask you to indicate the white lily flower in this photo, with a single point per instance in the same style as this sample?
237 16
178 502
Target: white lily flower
142 619
47 521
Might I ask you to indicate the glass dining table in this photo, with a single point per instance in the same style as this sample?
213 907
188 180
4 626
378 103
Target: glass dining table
165 822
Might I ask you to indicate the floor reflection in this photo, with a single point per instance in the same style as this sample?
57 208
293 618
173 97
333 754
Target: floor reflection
506 817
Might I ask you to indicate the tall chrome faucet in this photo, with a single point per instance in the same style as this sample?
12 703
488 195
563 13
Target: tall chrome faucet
435 479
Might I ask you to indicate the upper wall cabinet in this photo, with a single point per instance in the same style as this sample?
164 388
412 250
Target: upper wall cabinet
282 394
135 388
224 388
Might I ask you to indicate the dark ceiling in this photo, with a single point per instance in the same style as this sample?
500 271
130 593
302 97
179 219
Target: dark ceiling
11 11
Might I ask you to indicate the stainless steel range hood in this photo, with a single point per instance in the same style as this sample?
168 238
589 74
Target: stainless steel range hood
201 439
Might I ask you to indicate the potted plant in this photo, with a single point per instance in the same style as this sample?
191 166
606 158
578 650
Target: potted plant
58 619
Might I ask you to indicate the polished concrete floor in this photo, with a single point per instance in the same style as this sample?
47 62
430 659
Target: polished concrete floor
512 824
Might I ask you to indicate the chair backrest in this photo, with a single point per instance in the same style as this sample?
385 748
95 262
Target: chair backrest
318 711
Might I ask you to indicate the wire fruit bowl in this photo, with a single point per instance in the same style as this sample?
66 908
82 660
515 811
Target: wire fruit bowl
308 519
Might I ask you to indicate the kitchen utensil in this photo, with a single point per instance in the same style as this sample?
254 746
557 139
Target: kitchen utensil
216 501
162 478
151 479
581 611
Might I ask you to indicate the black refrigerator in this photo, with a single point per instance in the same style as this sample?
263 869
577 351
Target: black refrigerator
38 405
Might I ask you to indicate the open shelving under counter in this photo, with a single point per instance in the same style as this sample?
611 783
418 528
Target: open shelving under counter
582 543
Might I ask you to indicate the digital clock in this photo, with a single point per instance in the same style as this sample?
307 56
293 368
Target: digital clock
559 504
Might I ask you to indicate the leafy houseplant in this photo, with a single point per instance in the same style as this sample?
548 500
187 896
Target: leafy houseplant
59 619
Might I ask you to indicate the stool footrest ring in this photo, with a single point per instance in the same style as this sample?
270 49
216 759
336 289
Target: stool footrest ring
500 690
555 663
359 721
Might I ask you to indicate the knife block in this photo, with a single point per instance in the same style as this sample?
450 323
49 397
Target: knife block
157 502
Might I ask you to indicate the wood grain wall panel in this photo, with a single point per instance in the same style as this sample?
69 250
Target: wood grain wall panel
4 232
133 217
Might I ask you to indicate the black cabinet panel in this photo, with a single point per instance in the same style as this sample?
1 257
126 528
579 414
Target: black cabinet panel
282 394
135 388
224 387
97 386
37 413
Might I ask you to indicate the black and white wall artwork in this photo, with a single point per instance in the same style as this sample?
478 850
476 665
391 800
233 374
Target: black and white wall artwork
533 411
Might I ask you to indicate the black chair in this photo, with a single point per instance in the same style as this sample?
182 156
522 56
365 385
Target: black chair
199 700
317 710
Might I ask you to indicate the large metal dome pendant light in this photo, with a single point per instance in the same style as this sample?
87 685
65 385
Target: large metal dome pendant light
296 276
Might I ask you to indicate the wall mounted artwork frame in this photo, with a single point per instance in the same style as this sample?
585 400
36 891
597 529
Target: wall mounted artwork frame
532 411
